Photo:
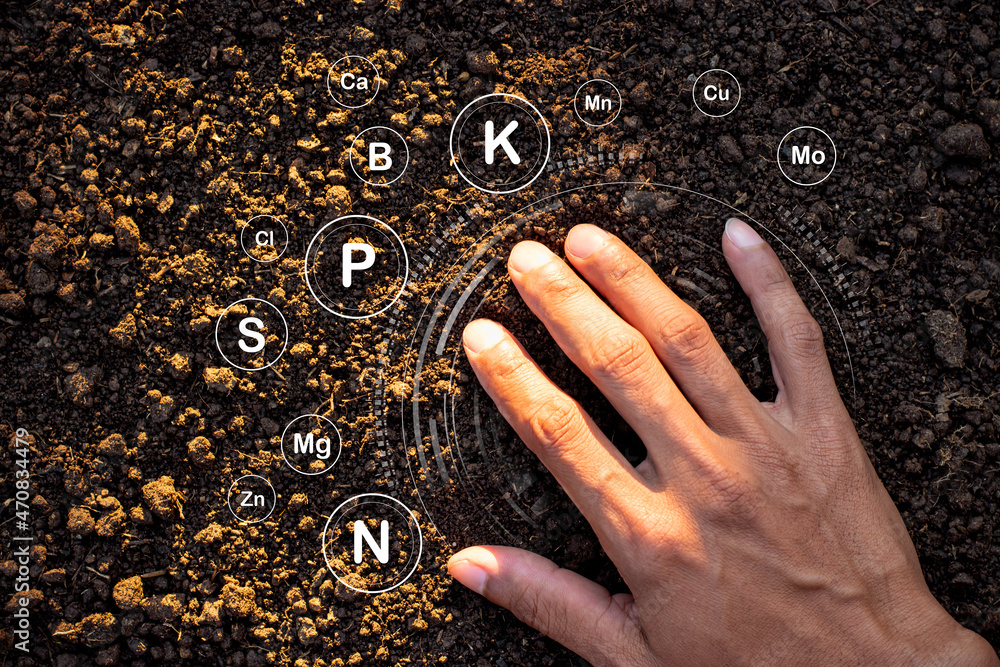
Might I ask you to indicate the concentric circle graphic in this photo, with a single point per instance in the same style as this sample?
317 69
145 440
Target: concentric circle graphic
475 480
346 285
344 549
500 143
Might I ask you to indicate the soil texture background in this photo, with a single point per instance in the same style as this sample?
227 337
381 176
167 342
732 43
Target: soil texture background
137 139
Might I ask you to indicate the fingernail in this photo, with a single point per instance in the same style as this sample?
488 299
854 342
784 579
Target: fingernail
742 235
468 574
528 256
480 335
585 240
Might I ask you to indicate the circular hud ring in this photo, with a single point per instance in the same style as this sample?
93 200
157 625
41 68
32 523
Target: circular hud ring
472 474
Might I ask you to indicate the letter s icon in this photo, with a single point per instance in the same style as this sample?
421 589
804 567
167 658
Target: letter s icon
250 333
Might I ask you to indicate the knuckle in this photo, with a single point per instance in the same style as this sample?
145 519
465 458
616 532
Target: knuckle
624 654
688 337
555 280
532 608
803 332
657 535
773 279
729 494
621 354
734 497
555 421
622 268
507 363
656 539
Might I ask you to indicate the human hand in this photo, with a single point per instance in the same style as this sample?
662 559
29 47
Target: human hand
754 533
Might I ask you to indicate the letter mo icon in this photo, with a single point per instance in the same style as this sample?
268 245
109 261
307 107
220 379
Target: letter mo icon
807 155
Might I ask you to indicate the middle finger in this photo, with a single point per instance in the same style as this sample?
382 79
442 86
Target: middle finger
613 354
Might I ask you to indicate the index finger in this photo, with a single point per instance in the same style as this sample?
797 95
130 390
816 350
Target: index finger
556 428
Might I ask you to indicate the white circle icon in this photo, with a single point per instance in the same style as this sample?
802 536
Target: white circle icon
597 103
264 238
353 82
379 155
356 266
251 499
807 156
251 334
716 93
311 444
372 543
500 143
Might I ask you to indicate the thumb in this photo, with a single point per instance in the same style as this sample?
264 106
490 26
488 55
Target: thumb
571 609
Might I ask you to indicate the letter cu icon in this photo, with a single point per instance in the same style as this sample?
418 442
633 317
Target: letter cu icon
716 93
712 93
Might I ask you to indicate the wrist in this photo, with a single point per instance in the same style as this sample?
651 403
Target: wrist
965 648
943 641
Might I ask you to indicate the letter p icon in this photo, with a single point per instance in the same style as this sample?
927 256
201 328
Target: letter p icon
350 266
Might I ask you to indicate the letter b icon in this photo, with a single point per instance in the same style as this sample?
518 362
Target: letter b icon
378 156
386 152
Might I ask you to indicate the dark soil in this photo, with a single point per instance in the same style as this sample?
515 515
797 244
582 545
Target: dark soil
138 138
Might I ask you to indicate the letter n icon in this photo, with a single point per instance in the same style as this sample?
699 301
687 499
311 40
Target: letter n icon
381 550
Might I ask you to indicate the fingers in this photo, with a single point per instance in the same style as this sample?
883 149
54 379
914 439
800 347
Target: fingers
573 610
795 340
592 471
613 354
679 336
